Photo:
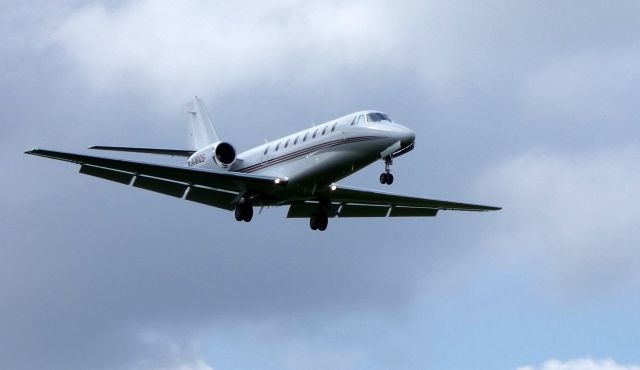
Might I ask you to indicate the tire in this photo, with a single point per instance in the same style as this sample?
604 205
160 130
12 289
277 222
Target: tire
239 213
248 212
324 221
389 179
313 221
383 178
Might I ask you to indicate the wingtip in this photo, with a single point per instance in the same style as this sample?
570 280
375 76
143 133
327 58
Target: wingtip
31 151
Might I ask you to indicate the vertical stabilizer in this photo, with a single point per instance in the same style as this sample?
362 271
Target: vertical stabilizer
201 128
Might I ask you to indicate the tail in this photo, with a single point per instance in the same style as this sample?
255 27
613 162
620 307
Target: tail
202 131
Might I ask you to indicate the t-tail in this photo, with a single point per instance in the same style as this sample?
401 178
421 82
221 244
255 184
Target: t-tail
210 152
201 128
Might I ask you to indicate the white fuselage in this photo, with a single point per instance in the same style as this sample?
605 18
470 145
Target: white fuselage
323 154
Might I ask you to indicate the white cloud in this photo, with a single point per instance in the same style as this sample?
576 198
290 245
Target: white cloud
191 365
571 218
193 45
581 364
304 357
196 46
166 353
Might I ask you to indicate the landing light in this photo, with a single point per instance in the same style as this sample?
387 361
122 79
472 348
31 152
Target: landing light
277 181
333 187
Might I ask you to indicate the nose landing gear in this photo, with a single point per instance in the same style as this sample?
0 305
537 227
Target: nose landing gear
386 177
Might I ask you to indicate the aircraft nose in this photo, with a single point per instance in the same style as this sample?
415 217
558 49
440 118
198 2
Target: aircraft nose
407 137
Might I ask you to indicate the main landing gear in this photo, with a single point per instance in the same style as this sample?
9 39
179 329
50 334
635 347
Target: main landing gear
386 177
244 211
319 221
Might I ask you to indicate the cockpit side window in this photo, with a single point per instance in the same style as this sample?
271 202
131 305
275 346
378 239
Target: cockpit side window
360 120
377 117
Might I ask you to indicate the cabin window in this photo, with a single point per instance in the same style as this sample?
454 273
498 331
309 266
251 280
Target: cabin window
286 143
296 140
324 130
315 133
333 128
278 146
305 136
266 150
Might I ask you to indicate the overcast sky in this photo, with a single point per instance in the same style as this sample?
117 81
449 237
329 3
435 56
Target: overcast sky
530 105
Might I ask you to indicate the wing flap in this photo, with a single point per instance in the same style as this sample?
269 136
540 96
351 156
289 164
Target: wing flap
358 210
215 188
306 209
412 212
225 180
348 195
106 174
212 197
171 188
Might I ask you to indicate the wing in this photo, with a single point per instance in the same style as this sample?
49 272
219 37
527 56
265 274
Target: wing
353 202
171 152
216 188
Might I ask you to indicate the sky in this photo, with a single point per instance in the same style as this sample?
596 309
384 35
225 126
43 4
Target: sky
529 105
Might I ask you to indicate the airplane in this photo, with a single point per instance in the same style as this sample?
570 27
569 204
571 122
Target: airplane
299 170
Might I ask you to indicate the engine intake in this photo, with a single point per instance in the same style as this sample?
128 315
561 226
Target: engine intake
224 155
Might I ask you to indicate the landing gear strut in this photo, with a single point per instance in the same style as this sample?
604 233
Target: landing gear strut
244 211
386 177
319 221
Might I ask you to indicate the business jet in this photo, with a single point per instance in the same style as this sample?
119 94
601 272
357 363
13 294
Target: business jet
299 170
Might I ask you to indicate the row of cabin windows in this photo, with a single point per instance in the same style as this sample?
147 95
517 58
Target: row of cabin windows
304 138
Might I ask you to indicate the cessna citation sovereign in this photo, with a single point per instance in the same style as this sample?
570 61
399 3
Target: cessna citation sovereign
298 170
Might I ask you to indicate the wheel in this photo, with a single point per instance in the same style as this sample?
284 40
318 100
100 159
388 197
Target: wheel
383 178
319 221
389 179
239 213
313 221
324 222
248 212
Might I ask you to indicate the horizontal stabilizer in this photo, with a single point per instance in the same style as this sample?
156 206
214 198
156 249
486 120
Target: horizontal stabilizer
171 152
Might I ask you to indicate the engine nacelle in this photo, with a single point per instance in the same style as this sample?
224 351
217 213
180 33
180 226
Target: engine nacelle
224 154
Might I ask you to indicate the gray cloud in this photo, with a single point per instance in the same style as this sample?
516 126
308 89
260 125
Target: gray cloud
505 95
570 218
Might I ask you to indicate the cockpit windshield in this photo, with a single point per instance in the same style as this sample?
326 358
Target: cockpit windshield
377 117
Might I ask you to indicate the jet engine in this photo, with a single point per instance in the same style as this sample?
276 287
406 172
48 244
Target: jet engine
224 154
